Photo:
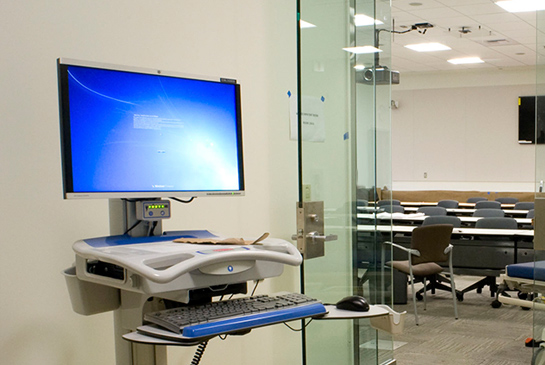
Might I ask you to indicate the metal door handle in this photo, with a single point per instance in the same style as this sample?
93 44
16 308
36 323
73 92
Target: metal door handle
316 236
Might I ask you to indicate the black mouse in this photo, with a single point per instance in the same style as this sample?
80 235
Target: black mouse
353 303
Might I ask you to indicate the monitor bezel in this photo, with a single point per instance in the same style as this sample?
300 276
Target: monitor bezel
66 148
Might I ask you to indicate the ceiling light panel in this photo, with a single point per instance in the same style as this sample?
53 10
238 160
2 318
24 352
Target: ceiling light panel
465 60
362 49
362 20
428 47
520 6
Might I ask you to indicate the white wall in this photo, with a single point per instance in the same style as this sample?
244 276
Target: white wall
251 41
461 128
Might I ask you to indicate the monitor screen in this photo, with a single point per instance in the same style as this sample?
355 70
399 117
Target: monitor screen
135 133
528 130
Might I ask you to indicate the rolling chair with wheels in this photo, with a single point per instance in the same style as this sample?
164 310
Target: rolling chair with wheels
381 203
429 245
490 281
476 199
448 203
488 212
442 219
524 206
497 223
507 200
488 205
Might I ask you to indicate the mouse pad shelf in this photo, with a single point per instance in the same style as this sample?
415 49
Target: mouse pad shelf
381 316
334 313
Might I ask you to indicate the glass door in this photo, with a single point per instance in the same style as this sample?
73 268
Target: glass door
343 129
539 221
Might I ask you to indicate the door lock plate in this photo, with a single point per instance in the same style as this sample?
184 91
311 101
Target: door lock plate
310 230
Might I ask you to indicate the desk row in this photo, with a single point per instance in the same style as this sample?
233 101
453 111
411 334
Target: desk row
418 218
451 211
466 231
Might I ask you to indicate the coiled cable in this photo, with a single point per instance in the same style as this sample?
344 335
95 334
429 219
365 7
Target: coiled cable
198 353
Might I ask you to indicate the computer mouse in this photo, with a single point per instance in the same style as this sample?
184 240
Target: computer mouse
353 303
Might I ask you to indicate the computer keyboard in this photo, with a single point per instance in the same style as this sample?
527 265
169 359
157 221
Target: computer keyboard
236 314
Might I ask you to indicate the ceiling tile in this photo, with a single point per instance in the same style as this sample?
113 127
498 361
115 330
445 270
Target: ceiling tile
477 9
426 4
496 35
462 2
430 15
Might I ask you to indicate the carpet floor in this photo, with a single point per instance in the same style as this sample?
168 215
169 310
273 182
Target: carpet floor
481 335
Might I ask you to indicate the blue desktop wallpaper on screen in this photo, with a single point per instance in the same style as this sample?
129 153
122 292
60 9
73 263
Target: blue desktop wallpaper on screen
140 132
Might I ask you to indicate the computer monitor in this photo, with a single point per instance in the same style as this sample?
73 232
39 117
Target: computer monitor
532 120
139 133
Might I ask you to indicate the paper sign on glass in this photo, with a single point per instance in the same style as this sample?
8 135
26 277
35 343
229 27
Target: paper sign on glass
312 118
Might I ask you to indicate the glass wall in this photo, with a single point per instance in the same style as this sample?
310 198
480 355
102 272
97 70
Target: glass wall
539 245
344 96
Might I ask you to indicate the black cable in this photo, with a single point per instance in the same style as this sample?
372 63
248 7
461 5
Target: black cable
295 329
255 287
133 226
184 201
152 230
198 353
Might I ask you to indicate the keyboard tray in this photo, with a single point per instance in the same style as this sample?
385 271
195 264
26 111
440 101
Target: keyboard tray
236 315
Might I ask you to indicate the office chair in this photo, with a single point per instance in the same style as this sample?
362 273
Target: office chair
381 203
524 205
488 205
448 204
490 281
442 219
531 214
429 245
507 200
393 208
488 212
362 202
497 223
432 210
476 199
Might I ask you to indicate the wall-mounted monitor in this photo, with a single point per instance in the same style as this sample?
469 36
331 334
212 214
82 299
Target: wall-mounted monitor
140 133
528 131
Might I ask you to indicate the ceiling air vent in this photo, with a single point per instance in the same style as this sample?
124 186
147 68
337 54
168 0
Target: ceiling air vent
497 42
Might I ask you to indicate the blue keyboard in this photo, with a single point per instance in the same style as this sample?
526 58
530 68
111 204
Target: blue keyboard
236 314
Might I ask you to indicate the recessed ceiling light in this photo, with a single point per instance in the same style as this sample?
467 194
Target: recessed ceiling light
465 61
519 6
362 49
428 47
363 20
305 25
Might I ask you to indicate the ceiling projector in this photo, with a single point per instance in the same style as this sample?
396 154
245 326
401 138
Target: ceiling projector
381 75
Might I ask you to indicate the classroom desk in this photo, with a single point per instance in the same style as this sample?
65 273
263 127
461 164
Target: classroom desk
460 204
466 231
469 211
419 218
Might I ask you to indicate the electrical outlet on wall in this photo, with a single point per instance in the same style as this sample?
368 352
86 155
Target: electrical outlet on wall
425 175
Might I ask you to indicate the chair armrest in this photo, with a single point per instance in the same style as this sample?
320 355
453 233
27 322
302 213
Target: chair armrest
448 249
409 250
